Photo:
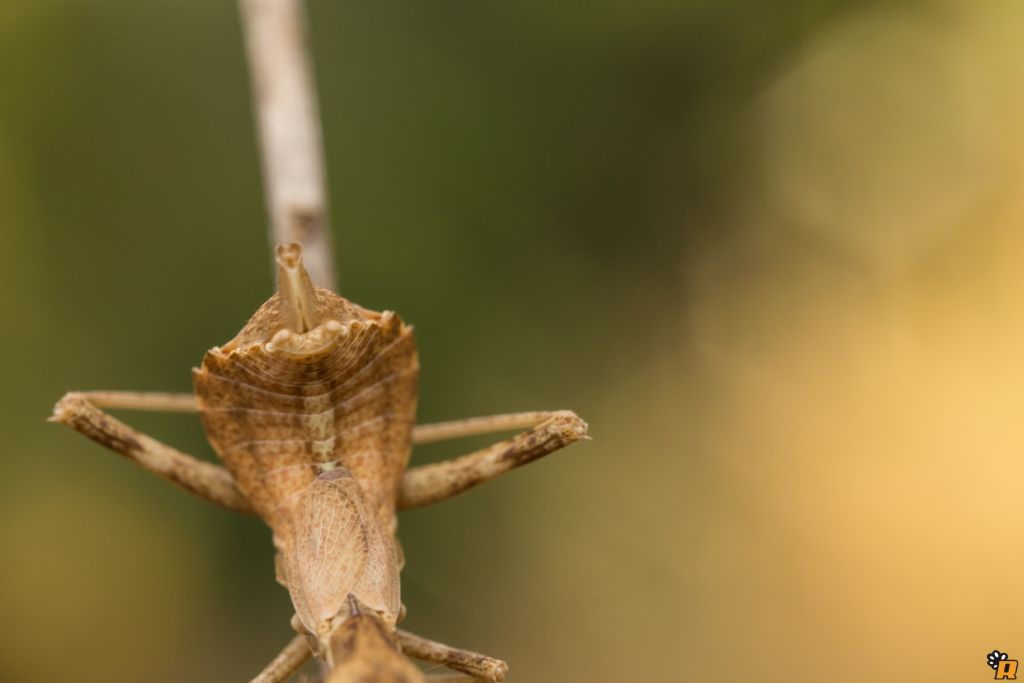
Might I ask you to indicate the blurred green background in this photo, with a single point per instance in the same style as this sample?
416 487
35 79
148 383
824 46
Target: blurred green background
771 251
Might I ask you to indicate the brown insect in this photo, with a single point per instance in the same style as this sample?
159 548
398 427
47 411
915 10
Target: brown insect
311 408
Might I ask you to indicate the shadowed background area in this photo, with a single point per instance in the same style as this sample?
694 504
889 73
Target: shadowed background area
770 251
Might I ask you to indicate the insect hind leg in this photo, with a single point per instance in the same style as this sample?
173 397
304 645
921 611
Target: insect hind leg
480 667
287 662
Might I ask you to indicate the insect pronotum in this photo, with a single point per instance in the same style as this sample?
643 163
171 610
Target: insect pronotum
311 409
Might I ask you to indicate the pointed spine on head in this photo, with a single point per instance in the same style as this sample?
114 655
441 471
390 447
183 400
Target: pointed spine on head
298 298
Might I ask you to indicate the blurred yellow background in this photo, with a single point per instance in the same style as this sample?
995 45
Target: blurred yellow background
770 251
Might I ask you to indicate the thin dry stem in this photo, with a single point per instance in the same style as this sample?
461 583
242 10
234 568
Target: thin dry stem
284 97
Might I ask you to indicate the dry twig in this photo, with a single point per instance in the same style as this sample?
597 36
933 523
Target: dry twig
284 97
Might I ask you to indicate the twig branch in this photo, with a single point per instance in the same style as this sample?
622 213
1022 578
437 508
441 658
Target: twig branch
284 97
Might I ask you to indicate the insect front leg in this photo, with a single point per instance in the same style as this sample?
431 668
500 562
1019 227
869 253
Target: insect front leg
480 667
427 484
81 411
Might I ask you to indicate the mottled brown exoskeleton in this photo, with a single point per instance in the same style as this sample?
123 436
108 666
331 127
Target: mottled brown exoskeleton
311 409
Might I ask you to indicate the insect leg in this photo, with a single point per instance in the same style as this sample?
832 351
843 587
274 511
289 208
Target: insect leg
287 662
206 480
156 401
432 483
442 431
480 667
